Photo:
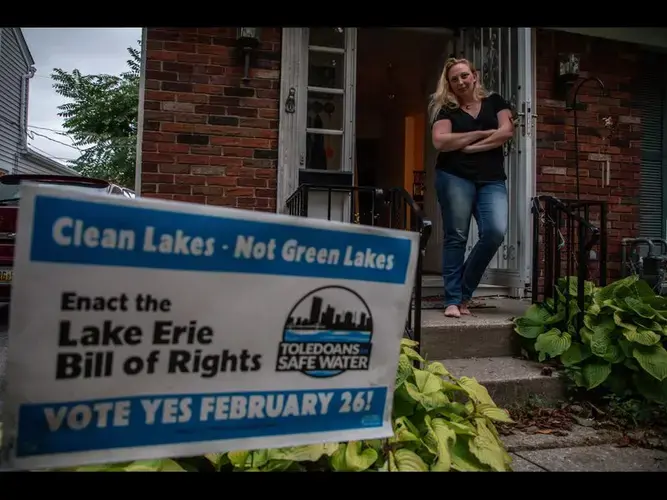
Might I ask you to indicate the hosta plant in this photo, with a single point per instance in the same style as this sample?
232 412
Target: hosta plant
619 347
441 423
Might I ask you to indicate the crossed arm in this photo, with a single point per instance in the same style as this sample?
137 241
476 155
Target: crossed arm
473 142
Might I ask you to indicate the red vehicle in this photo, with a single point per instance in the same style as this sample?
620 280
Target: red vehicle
9 199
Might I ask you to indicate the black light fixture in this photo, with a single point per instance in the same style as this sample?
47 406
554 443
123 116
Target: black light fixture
567 72
247 40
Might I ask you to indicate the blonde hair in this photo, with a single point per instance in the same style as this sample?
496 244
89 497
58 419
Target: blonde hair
444 97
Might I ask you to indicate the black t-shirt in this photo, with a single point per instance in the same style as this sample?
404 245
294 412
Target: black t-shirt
477 167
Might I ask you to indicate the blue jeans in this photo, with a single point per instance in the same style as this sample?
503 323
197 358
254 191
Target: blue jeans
460 199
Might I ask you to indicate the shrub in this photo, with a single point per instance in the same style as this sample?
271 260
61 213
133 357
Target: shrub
441 423
621 346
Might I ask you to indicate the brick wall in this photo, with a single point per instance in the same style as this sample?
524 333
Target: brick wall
209 137
617 65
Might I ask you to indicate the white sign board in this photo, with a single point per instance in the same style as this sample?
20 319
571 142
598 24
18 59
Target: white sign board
148 329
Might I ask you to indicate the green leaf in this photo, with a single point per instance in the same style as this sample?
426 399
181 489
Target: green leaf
158 465
650 388
647 324
535 320
476 391
455 411
408 342
575 354
595 372
462 459
653 359
494 413
277 466
573 289
437 368
527 328
427 382
594 309
643 291
602 344
461 428
119 467
639 307
404 431
439 438
408 461
641 336
488 449
537 314
351 458
312 452
586 335
429 401
412 354
404 369
404 404
601 325
607 293
217 459
238 458
553 343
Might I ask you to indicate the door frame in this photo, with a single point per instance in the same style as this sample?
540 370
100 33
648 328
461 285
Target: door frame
288 141
293 111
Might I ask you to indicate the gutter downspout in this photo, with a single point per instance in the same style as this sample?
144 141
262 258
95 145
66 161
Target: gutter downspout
23 117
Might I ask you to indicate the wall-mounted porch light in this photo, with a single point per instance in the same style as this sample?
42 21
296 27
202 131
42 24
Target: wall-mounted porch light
248 40
567 73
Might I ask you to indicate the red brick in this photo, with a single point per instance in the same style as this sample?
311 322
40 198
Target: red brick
555 159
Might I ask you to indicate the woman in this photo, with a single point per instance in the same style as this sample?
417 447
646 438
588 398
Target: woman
469 129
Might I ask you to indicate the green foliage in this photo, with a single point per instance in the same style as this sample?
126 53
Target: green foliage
101 118
441 424
621 346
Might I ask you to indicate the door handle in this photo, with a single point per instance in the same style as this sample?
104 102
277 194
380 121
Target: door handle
290 102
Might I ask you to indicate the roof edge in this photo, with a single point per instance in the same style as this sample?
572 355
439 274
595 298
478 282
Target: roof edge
49 163
25 50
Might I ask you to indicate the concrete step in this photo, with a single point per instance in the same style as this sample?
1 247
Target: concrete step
432 287
488 332
510 380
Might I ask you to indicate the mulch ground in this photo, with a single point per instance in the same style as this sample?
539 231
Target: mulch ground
559 421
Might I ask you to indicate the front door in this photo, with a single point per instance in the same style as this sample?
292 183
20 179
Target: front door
503 56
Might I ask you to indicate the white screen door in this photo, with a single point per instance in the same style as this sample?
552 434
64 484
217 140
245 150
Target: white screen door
503 56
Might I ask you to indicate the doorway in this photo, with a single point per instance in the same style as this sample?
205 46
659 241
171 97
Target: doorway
359 116
396 73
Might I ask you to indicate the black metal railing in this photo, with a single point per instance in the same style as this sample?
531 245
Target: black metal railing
567 244
393 208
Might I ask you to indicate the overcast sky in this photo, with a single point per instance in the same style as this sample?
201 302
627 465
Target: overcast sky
91 51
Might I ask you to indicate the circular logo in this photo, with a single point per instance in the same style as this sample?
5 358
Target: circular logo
327 332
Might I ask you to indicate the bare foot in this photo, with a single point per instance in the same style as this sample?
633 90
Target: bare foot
452 312
463 308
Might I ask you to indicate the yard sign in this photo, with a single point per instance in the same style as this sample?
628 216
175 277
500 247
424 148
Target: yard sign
145 329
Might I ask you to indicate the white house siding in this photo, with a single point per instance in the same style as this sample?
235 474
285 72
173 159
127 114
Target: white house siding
13 66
